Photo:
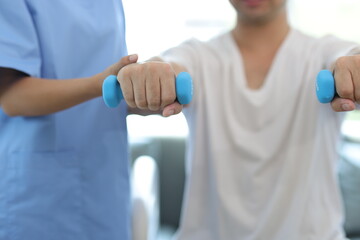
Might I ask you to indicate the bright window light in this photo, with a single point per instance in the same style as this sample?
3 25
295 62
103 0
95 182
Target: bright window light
142 127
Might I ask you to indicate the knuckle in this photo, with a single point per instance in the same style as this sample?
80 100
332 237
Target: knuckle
129 100
154 104
138 69
151 67
341 62
357 96
141 103
122 73
154 108
126 73
131 104
167 68
153 100
168 99
357 60
345 92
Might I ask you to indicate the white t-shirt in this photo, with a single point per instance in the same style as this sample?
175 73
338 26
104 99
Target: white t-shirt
261 164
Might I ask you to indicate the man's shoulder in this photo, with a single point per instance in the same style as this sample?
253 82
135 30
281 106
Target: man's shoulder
317 38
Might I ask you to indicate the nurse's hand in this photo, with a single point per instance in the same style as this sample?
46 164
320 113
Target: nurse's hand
150 86
347 82
113 70
116 67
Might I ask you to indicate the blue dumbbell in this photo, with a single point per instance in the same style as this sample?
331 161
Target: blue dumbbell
325 86
112 93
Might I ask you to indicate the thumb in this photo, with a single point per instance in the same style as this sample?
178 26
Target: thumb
116 67
127 60
342 104
172 109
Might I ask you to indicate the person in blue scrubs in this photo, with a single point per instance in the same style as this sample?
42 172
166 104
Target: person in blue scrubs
64 170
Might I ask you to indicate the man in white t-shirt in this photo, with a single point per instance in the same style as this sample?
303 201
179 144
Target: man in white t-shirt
262 151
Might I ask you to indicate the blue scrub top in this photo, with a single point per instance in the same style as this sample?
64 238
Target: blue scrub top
65 175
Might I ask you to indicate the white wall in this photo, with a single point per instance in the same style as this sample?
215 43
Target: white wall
155 25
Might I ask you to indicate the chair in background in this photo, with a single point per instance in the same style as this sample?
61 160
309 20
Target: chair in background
145 199
169 154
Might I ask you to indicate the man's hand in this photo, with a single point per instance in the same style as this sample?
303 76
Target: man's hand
150 86
347 82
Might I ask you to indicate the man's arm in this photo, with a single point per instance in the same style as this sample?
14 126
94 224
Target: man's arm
176 67
22 95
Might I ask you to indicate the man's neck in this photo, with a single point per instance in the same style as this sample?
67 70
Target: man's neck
257 36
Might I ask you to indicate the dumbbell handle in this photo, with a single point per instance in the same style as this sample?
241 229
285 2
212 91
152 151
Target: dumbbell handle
112 93
325 86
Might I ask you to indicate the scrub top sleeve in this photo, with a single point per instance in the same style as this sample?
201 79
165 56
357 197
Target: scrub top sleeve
19 44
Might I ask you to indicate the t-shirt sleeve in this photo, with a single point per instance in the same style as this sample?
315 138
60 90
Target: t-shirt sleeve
335 48
185 55
19 43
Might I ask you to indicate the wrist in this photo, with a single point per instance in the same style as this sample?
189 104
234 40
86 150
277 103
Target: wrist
96 84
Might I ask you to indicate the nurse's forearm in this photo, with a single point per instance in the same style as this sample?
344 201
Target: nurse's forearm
22 95
31 96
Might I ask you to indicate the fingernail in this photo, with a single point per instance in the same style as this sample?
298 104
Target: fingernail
132 57
346 107
169 112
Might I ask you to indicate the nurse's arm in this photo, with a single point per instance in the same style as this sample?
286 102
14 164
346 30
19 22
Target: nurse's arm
23 95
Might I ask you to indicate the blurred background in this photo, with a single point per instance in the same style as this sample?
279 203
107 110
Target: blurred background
153 26
156 25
